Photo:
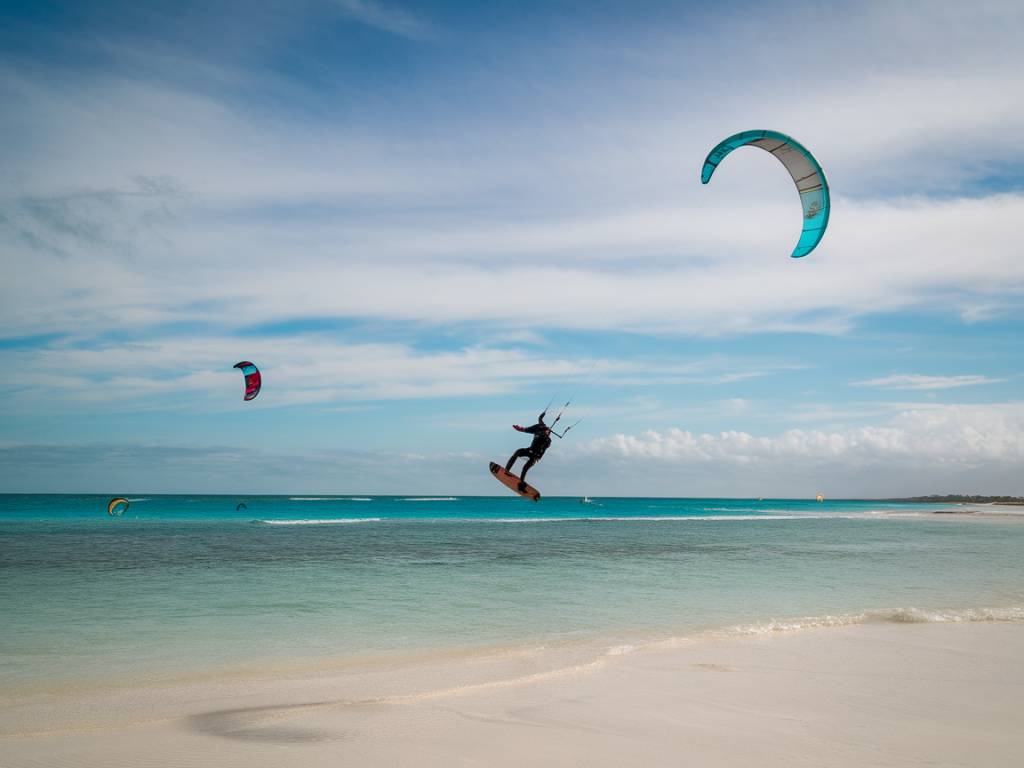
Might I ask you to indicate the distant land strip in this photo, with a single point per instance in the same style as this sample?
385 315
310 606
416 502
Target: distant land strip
956 497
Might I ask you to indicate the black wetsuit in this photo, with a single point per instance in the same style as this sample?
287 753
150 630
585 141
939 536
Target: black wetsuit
541 442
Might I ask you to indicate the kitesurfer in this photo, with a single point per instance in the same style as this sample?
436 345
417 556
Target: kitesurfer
541 442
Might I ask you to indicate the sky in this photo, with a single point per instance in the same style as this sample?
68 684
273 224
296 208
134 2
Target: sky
424 221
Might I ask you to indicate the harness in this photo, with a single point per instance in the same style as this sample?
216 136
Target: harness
541 442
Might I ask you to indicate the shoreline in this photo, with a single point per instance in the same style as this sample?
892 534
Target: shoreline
582 648
927 690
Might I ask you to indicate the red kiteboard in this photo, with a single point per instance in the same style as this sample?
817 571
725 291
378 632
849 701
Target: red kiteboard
511 482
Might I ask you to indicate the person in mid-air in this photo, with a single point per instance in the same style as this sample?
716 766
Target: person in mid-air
541 442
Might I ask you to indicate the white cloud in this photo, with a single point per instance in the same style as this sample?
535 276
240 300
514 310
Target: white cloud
958 435
928 449
919 381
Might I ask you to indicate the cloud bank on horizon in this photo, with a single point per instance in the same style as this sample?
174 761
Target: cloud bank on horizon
422 220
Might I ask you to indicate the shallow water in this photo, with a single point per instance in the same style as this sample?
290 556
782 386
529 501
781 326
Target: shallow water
185 585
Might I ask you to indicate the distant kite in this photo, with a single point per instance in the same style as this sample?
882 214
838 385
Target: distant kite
117 507
253 380
807 175
240 506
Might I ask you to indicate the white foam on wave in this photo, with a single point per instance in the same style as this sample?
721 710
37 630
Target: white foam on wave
621 650
1013 613
329 498
905 615
754 510
811 515
571 670
326 521
798 623
738 509
635 519
431 498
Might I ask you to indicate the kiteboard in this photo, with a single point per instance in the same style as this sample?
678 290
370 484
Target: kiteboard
511 482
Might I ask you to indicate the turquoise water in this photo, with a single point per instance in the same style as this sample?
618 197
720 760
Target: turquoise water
185 585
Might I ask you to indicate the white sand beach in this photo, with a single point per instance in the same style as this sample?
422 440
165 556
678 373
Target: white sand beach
874 694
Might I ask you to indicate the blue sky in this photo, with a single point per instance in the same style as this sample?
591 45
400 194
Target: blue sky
424 220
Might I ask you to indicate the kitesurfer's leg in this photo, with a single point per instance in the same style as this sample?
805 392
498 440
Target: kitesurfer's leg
518 454
526 468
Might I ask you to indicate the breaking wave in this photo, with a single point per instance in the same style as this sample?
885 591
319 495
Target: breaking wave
904 615
327 521
329 498
634 519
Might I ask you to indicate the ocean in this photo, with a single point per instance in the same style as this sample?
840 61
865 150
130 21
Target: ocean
186 586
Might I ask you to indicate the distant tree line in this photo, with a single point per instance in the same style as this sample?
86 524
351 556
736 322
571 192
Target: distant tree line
962 498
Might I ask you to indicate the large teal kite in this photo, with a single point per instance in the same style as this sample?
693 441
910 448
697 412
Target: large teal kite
807 175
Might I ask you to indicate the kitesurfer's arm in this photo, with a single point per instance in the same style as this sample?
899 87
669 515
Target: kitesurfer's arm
538 427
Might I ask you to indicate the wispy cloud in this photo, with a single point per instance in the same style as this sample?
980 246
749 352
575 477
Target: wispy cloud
919 381
389 18
90 220
190 371
185 371
121 468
